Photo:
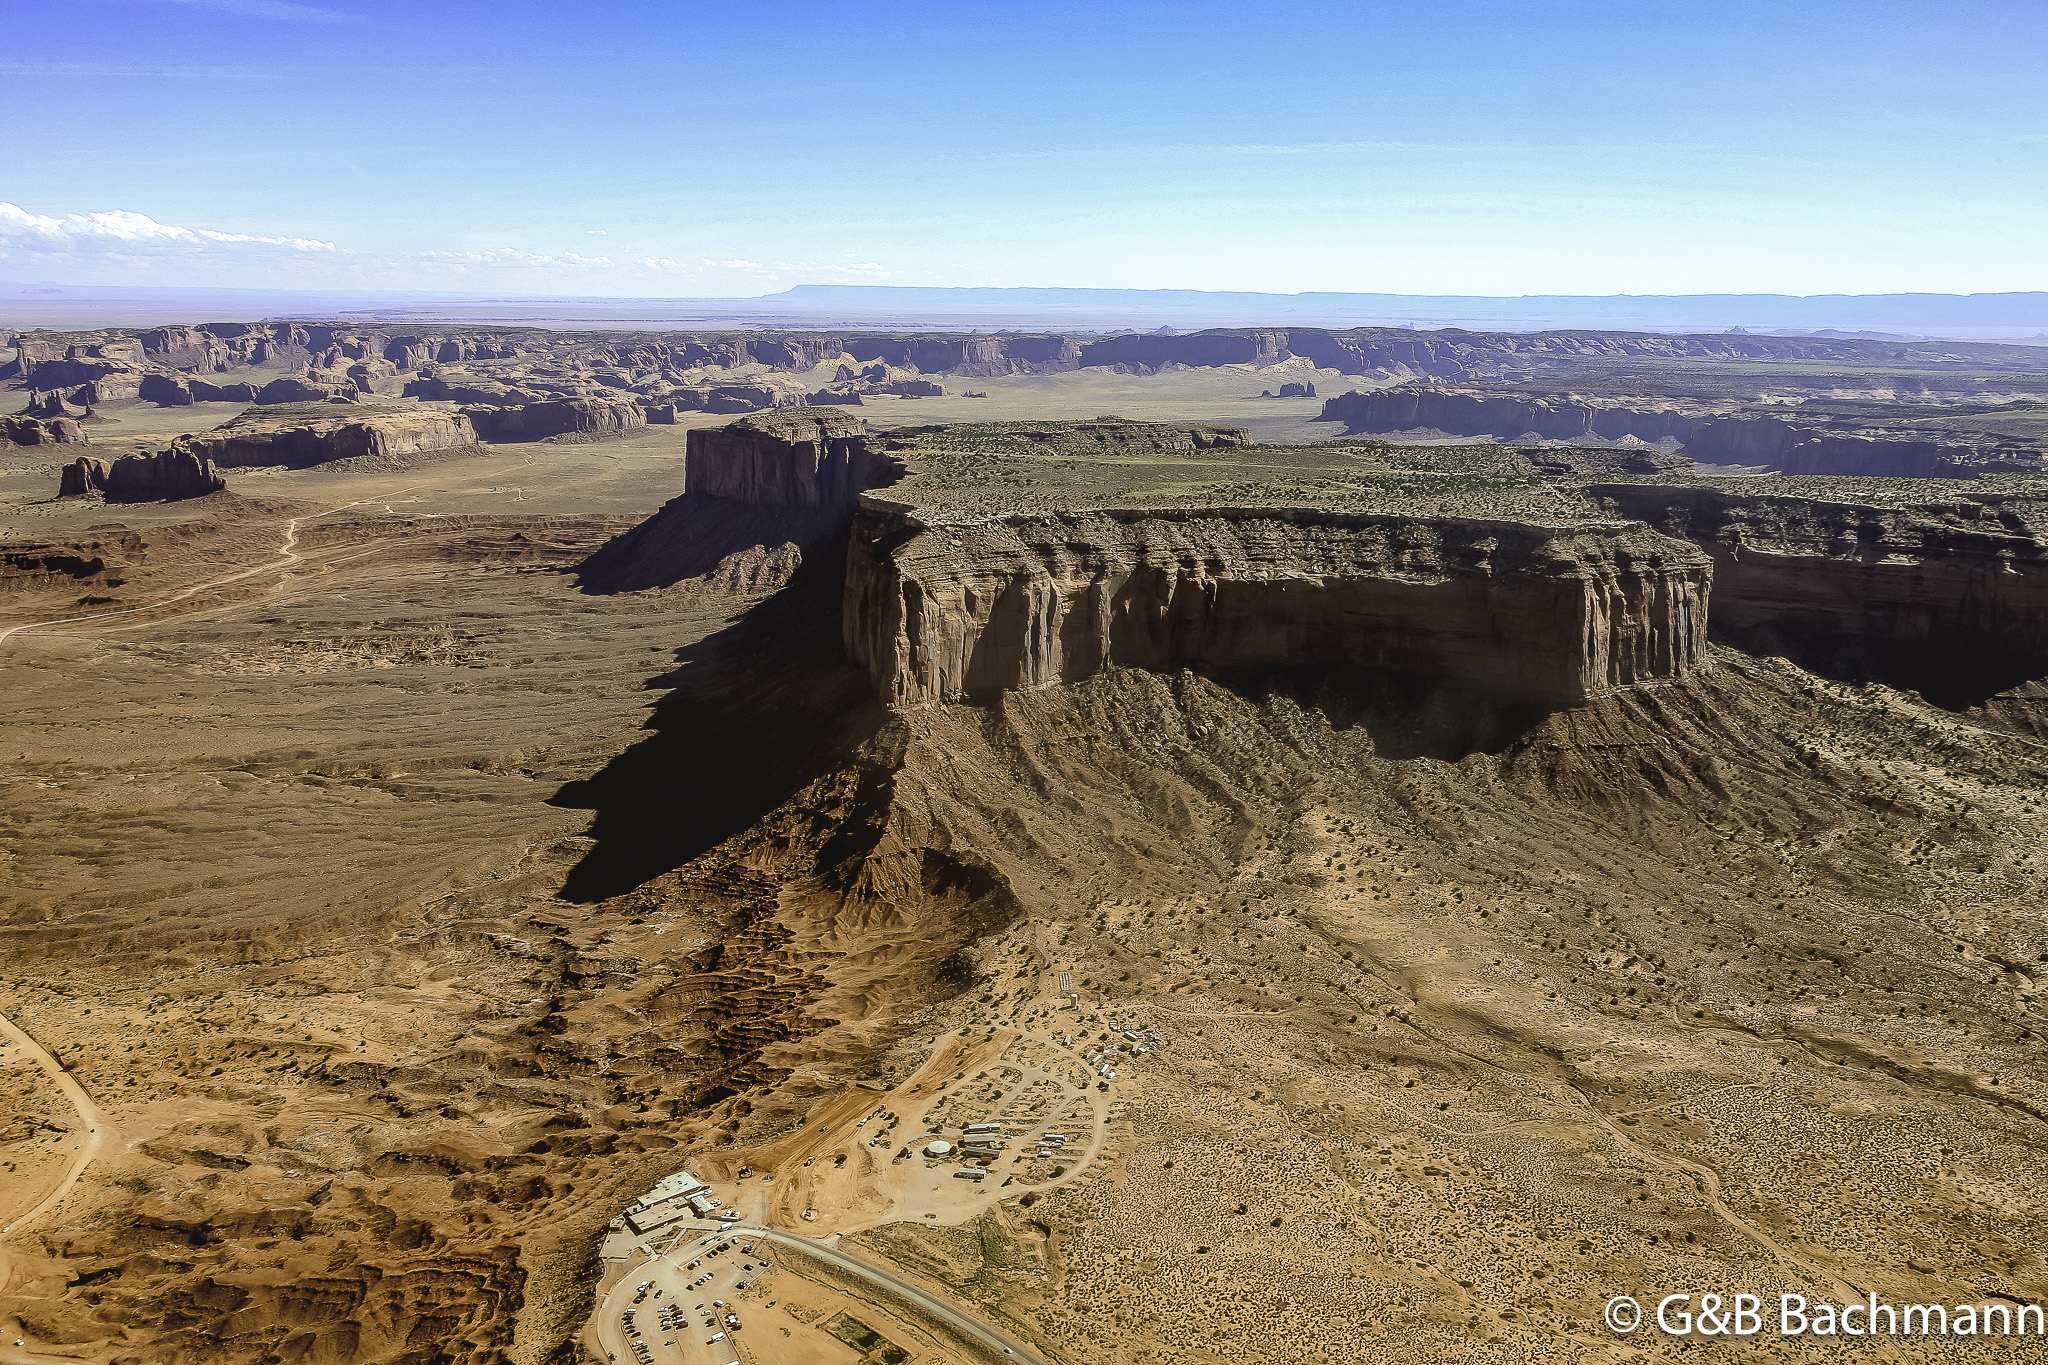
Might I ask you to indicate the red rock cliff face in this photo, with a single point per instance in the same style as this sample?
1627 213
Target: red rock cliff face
950 613
799 459
301 435
1949 597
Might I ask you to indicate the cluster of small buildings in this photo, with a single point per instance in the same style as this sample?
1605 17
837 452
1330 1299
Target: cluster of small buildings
674 1199
1136 1042
1070 999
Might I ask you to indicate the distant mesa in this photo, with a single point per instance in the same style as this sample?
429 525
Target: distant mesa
50 404
177 392
23 430
1841 445
556 419
164 477
1292 390
293 389
296 436
668 374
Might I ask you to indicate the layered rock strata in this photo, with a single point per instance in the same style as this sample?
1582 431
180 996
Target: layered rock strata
317 433
164 477
173 391
588 418
1949 597
41 431
1556 614
107 366
798 459
1773 442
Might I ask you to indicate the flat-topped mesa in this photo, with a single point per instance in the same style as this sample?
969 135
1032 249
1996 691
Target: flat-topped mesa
1558 614
300 435
1809 445
799 458
166 476
1946 596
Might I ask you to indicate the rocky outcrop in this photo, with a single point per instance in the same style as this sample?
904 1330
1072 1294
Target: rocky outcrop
41 431
1412 407
1554 614
298 389
177 391
1559 462
1302 390
164 477
1947 597
574 418
434 388
799 458
50 404
1770 441
1873 456
83 475
963 611
319 433
726 398
791 478
977 356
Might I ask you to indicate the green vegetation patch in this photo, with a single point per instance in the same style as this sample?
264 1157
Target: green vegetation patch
872 1345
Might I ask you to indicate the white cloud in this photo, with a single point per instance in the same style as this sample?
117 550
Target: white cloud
269 9
120 232
505 256
777 269
595 232
121 246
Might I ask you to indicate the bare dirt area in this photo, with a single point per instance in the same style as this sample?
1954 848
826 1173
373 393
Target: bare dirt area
279 826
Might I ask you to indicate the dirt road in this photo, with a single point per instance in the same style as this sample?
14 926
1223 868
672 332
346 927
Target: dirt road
94 1128
94 1132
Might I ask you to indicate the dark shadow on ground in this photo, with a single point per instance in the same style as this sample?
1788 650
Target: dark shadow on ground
753 714
1406 715
1950 677
692 534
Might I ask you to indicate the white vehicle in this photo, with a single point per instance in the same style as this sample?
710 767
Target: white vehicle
716 1336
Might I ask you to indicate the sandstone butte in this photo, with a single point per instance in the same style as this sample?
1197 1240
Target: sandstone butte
945 604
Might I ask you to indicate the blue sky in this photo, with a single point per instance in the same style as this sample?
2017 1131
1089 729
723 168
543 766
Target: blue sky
685 149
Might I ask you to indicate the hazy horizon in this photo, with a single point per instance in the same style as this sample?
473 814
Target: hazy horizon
690 152
1991 316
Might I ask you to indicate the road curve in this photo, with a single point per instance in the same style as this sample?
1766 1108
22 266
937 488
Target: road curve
95 1130
881 1279
287 556
94 1126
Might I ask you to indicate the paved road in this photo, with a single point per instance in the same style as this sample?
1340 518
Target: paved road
883 1280
670 1275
